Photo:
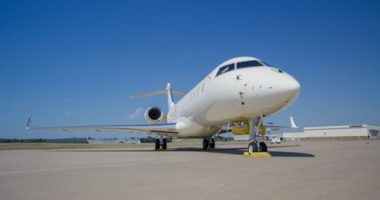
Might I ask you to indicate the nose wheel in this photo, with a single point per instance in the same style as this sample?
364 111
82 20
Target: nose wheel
256 144
263 147
253 147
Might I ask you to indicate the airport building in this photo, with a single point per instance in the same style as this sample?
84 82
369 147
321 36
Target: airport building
241 137
345 132
112 141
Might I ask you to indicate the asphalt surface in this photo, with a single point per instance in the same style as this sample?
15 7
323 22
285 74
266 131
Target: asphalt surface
297 170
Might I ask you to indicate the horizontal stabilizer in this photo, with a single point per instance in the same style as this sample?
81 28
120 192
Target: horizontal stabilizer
155 93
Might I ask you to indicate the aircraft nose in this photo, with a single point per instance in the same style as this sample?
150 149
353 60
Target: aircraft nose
292 87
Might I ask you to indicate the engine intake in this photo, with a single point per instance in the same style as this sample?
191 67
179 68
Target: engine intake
154 115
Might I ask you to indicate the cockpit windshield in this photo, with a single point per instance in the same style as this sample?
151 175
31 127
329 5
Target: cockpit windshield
252 63
225 69
240 65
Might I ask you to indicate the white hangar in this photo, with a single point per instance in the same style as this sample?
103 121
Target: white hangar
344 132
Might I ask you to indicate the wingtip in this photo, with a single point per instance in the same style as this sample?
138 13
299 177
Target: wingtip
293 123
29 123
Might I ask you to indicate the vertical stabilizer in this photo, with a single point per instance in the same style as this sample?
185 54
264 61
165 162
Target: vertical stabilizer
170 96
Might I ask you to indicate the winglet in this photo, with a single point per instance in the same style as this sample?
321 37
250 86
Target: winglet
293 123
29 123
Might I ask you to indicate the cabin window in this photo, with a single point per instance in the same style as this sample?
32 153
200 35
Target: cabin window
252 63
225 69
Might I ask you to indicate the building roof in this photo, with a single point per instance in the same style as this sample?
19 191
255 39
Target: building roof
337 127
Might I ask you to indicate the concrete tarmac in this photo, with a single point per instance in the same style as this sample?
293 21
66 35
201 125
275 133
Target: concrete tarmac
298 170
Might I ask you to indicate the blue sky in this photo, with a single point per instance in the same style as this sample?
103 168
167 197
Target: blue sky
76 62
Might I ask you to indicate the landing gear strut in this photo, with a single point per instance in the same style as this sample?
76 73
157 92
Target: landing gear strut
208 143
161 144
256 144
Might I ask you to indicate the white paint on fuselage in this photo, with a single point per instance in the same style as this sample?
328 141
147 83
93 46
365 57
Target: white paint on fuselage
242 93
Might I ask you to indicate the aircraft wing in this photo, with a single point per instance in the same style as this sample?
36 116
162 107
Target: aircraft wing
167 129
292 125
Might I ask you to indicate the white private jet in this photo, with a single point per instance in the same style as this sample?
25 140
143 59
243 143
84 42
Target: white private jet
242 90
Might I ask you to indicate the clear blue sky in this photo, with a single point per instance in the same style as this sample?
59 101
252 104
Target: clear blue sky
76 62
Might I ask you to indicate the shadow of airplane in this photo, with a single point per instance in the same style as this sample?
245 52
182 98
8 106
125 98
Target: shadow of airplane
225 150
279 146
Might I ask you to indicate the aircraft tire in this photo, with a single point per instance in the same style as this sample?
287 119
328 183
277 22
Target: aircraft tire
164 144
263 147
205 144
252 147
157 145
212 143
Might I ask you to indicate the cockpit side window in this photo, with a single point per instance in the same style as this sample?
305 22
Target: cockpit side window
225 69
252 63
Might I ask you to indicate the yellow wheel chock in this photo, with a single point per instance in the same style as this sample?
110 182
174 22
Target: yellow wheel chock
257 155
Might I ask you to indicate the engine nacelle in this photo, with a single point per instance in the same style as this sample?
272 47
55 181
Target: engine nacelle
154 115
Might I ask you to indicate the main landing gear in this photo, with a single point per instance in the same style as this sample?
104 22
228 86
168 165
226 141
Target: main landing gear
208 143
161 144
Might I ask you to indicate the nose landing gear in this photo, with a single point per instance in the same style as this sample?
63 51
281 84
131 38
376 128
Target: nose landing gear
256 148
253 147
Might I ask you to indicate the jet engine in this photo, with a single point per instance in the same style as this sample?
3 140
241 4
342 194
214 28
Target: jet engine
154 115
